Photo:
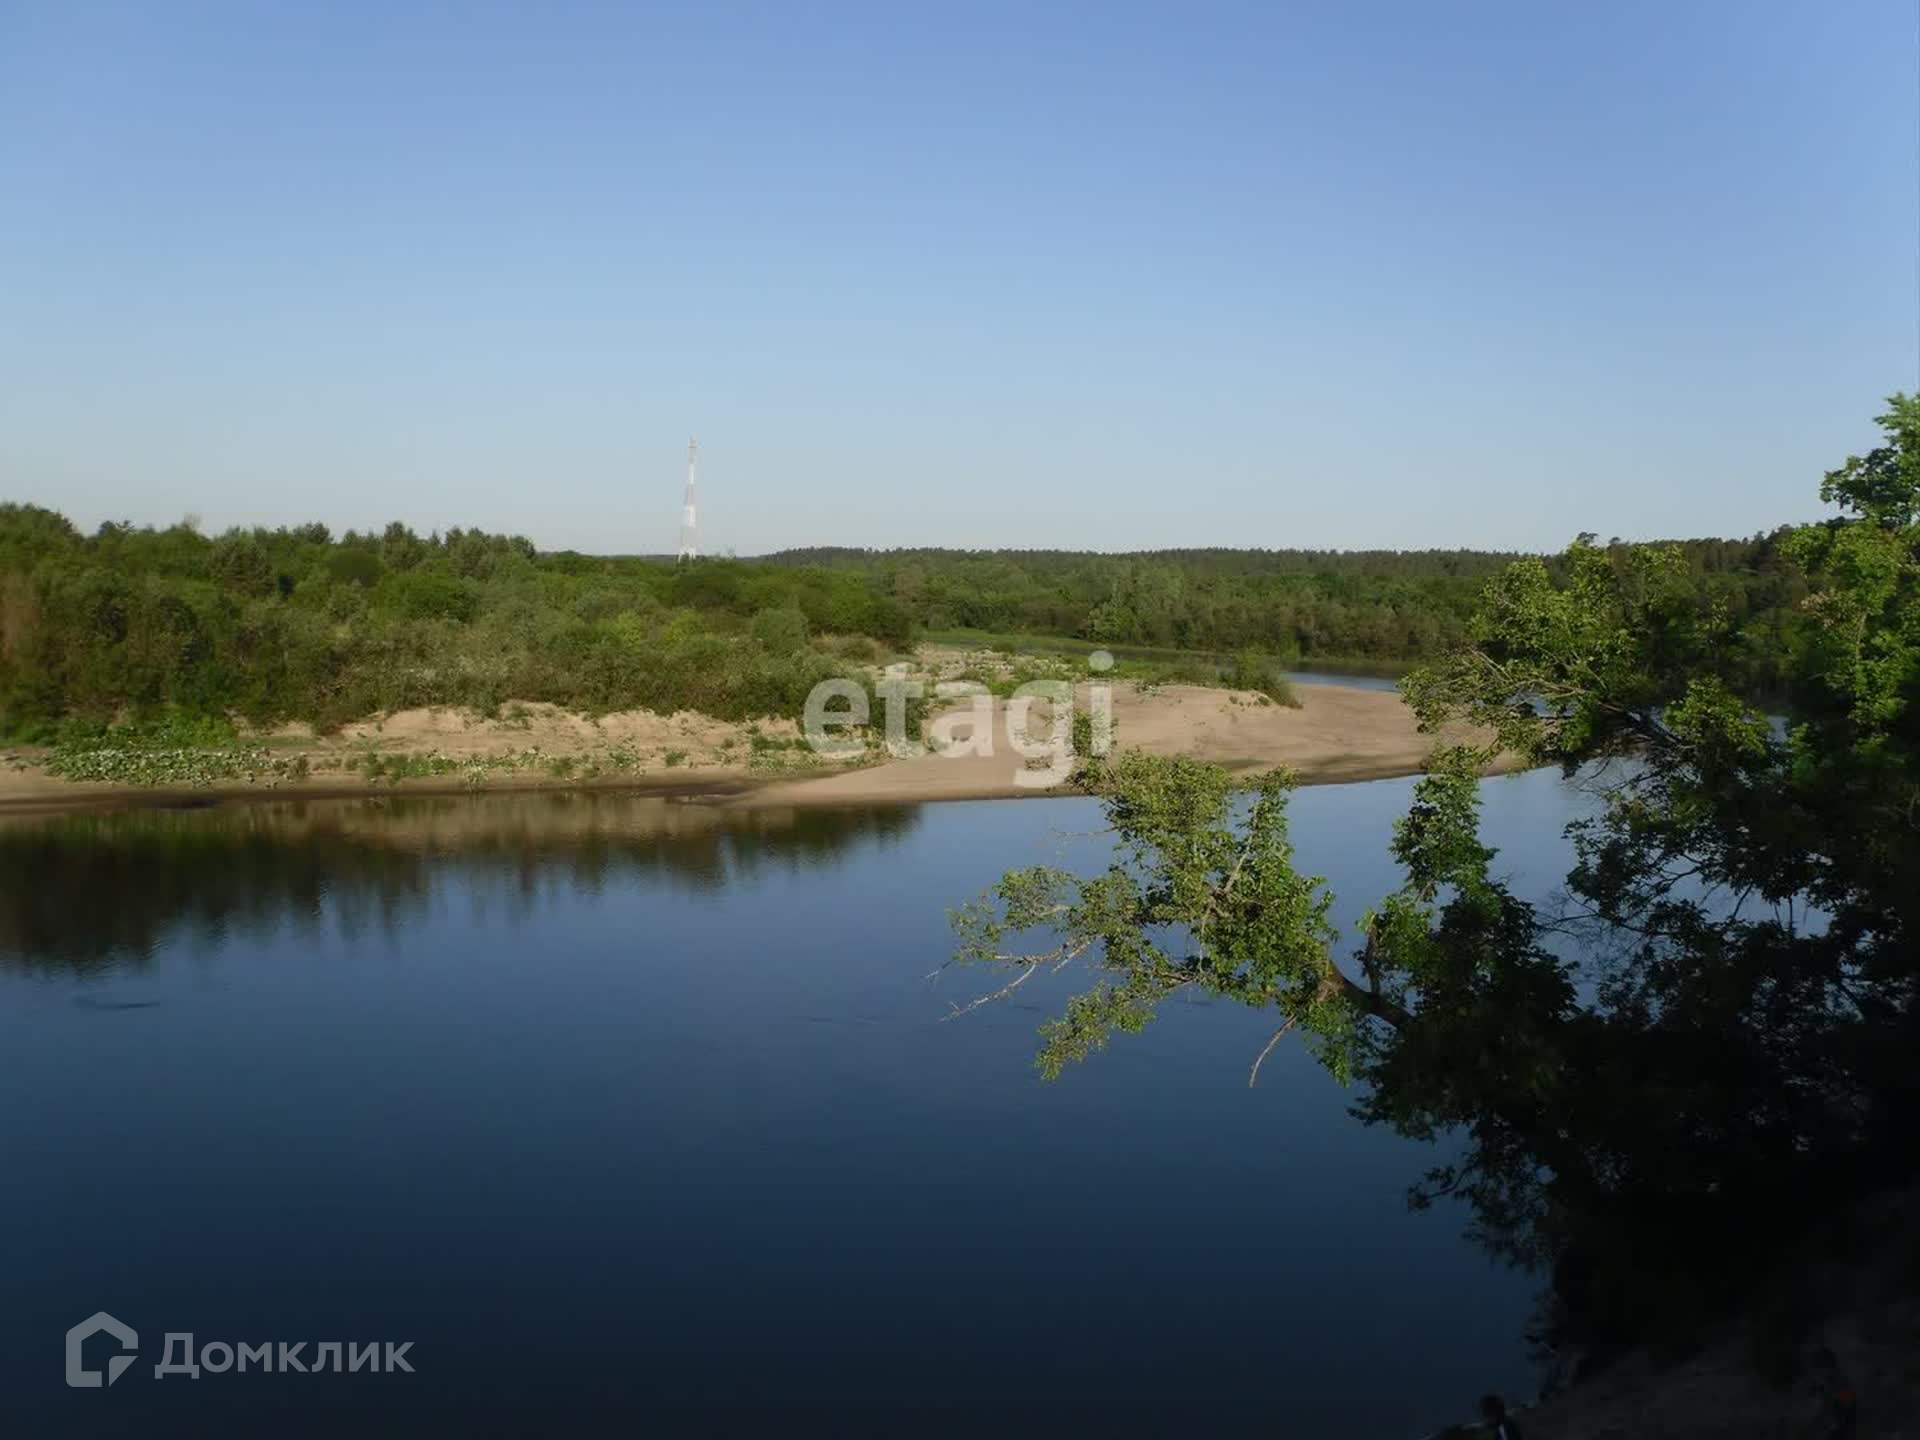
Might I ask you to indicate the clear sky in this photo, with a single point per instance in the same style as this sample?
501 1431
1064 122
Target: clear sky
1112 275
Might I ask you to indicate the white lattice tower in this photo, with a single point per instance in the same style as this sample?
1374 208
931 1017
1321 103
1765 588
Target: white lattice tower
690 510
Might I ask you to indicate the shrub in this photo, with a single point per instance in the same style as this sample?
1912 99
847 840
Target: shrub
1262 675
781 631
426 595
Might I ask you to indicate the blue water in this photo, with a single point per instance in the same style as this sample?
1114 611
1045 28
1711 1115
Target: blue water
632 1115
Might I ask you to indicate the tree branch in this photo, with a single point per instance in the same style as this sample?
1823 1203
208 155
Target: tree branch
1056 958
1253 1075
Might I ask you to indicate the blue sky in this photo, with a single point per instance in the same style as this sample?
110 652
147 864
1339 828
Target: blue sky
1112 275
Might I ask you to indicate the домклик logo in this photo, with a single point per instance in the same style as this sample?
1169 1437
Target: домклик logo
78 1375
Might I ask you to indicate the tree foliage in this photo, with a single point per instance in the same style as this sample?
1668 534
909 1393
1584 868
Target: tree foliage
293 623
298 623
1300 605
1709 1047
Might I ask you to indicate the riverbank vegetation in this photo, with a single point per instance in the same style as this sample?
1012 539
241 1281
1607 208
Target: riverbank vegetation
1670 1082
298 624
1372 610
294 624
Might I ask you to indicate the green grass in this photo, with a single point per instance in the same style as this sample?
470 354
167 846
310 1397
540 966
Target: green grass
1014 644
395 768
769 744
1250 670
1185 662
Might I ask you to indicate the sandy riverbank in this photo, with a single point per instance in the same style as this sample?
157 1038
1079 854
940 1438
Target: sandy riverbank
1336 734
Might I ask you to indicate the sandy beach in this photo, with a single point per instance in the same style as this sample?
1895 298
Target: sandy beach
1337 733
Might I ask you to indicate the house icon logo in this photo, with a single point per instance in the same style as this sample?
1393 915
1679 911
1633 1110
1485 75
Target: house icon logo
78 1375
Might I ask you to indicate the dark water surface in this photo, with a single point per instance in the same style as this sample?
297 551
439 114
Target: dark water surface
632 1114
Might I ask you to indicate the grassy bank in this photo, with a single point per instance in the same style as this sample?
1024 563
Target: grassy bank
1019 644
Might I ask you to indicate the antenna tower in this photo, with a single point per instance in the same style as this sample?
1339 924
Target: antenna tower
690 510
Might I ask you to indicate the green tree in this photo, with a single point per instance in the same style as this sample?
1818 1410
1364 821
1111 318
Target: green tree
239 562
1722 1057
1882 484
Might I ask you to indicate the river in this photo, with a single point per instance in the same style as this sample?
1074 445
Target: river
629 1113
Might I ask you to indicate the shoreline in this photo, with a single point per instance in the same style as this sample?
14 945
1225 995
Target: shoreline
53 796
741 791
1338 735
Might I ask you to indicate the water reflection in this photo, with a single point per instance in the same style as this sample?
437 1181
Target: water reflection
696 1108
93 892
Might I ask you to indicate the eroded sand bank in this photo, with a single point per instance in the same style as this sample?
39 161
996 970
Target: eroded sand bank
1337 733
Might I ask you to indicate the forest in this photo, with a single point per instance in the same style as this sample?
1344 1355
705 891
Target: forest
296 623
1302 606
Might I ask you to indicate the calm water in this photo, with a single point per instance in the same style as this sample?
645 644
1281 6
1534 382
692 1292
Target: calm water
635 1114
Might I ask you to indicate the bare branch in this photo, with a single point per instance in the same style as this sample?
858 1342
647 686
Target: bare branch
1253 1075
1059 959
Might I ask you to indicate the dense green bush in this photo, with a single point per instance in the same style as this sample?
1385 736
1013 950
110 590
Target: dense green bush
783 630
430 595
293 624
1261 674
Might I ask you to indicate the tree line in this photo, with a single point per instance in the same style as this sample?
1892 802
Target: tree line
297 623
1300 606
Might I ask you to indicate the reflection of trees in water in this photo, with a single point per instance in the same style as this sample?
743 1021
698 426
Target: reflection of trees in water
89 892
